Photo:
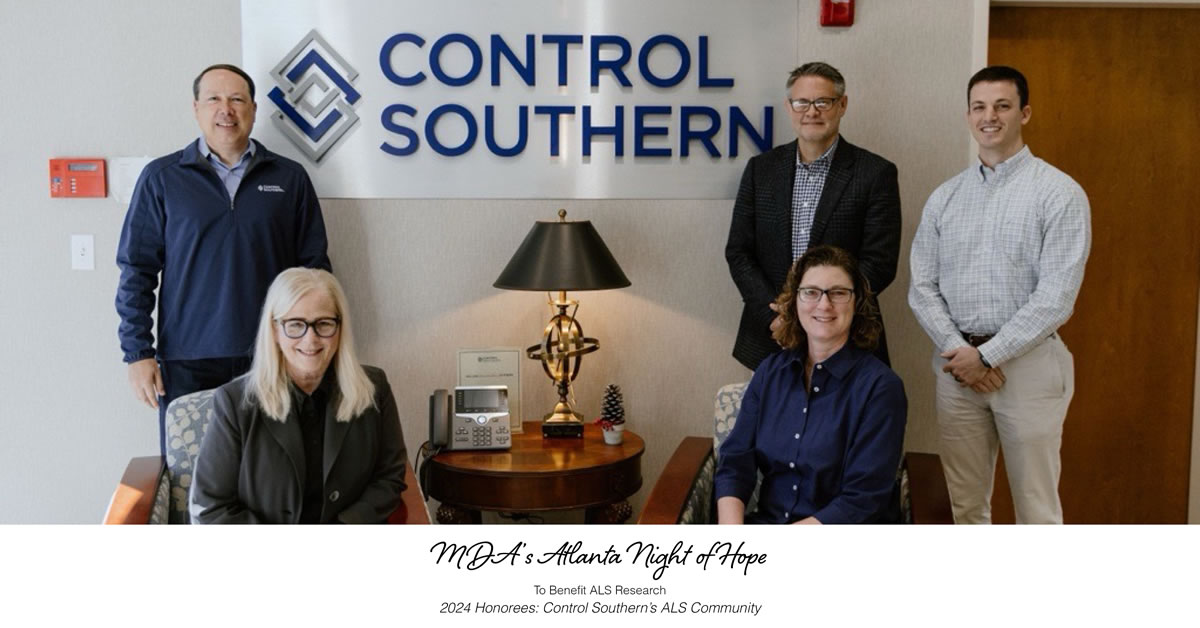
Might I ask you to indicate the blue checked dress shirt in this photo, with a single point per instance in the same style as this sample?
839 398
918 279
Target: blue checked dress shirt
231 177
806 193
1000 252
831 452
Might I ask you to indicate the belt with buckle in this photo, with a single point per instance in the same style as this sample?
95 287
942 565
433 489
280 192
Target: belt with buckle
976 340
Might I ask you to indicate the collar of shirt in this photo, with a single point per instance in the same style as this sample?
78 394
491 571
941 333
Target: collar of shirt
821 162
837 365
1004 169
216 161
321 393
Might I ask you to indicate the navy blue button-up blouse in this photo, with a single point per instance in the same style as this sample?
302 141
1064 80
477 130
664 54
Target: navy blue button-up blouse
831 452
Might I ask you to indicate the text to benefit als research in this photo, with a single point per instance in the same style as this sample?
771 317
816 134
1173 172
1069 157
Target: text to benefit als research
570 578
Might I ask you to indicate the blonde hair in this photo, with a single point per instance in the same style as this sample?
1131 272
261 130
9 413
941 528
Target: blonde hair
269 385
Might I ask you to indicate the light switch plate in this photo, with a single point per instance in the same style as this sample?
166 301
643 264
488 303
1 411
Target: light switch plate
83 252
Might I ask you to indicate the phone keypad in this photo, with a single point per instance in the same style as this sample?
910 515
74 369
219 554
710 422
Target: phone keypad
482 432
481 436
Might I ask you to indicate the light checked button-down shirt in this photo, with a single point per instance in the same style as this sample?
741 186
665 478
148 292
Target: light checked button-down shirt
806 193
230 177
1000 252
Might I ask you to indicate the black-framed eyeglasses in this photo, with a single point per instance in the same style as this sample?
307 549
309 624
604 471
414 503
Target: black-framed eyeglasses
800 105
836 295
296 327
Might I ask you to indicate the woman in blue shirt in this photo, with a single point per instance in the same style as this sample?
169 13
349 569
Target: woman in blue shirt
823 420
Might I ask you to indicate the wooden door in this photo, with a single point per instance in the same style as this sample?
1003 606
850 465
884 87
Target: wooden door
1116 105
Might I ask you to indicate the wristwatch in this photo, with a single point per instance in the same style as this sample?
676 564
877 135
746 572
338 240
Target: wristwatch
986 364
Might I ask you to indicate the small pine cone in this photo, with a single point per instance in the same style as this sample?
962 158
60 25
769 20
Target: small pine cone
613 405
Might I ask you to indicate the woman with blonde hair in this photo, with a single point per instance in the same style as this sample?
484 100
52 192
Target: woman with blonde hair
308 435
822 420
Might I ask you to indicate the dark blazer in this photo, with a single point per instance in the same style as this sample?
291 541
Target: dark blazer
251 468
859 211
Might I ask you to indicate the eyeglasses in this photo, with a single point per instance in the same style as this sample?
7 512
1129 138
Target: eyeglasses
296 327
836 295
800 105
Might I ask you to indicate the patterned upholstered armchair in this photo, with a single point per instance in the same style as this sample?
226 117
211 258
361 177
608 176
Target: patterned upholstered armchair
154 489
684 491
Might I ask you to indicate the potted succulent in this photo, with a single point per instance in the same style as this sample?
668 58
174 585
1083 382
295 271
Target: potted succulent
612 416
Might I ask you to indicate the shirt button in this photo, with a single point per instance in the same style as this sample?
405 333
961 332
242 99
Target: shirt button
806 411
804 204
795 487
818 367
816 389
333 497
791 465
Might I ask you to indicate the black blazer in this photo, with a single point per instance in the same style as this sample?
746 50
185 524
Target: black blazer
859 211
251 468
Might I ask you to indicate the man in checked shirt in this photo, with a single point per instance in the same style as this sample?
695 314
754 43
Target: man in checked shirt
996 265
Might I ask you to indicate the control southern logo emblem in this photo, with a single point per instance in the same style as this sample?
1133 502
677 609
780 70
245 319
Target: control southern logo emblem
315 96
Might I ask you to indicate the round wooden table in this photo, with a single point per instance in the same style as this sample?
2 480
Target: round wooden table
540 474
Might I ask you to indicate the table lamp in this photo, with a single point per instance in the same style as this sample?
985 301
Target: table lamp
557 257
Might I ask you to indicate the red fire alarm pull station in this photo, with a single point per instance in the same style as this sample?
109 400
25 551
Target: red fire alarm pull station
837 12
77 177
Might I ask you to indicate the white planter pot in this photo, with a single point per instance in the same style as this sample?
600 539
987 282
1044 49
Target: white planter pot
615 435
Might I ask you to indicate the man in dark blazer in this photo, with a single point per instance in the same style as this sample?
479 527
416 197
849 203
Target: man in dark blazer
819 189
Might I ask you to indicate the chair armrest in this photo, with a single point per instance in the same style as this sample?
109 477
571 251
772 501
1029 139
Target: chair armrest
412 503
133 500
670 493
927 488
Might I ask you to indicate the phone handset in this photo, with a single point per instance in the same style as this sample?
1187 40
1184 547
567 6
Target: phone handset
439 435
439 418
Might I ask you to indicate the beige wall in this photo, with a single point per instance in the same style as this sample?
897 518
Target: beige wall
112 79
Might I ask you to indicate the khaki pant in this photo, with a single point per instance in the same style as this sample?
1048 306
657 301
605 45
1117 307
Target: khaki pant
1025 417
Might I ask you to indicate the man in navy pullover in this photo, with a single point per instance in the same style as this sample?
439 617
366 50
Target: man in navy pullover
216 221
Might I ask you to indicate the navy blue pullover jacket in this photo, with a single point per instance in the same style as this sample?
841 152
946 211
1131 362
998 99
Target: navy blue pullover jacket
216 255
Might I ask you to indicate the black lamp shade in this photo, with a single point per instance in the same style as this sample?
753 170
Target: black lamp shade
562 256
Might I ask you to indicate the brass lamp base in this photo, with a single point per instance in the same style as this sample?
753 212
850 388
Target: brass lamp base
561 352
563 413
564 422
